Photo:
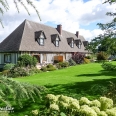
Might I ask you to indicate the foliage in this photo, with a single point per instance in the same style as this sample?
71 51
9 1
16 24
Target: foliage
106 41
8 66
78 57
62 65
50 67
71 62
5 7
27 60
88 57
69 106
22 71
101 56
17 91
44 69
86 61
109 67
98 88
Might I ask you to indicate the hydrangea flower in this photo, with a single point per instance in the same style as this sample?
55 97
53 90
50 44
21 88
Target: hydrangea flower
96 109
54 107
95 103
111 112
102 113
35 112
84 101
87 111
52 98
106 103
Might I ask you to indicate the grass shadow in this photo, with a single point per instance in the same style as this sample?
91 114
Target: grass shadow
80 89
101 73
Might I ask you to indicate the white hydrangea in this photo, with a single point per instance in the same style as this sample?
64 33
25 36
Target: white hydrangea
111 112
64 99
95 103
74 105
63 104
54 107
84 101
52 98
106 103
87 111
96 109
102 113
35 112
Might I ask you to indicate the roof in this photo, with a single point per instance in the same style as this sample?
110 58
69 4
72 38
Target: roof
23 39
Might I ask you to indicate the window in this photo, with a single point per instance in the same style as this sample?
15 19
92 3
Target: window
79 46
40 36
72 44
57 43
41 41
7 58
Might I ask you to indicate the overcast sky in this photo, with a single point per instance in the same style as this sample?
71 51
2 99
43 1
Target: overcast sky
73 15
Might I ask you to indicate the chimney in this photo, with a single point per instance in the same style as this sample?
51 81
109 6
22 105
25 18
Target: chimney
59 29
77 34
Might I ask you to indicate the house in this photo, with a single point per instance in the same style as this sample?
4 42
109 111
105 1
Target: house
44 42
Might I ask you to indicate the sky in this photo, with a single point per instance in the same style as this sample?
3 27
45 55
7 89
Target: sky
73 15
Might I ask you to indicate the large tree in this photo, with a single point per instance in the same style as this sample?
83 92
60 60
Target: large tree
107 41
5 7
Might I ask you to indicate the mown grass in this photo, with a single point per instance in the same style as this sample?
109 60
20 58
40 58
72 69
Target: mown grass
75 81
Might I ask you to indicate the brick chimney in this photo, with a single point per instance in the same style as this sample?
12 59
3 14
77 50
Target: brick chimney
77 34
59 29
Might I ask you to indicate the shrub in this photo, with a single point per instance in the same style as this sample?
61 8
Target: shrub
62 65
18 72
88 57
101 56
108 67
44 69
34 70
27 60
86 61
68 106
71 62
78 57
8 66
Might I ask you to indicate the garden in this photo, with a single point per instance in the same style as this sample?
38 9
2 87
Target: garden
63 89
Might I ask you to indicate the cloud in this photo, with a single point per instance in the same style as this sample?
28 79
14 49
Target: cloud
70 13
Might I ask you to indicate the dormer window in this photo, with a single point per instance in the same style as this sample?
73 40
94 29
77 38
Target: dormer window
78 43
85 43
40 37
55 39
71 42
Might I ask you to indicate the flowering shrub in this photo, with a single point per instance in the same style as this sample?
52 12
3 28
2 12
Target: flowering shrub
68 106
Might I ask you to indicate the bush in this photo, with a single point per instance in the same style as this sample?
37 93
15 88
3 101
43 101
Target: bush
62 65
108 67
27 60
8 66
88 57
101 56
34 70
86 61
68 106
71 62
78 58
44 69
18 72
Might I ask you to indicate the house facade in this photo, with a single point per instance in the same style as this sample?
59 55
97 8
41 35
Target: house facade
45 43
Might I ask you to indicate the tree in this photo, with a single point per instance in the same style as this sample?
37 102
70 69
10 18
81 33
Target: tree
17 91
107 41
5 7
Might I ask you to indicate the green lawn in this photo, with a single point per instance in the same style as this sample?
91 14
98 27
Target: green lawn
75 81
71 80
